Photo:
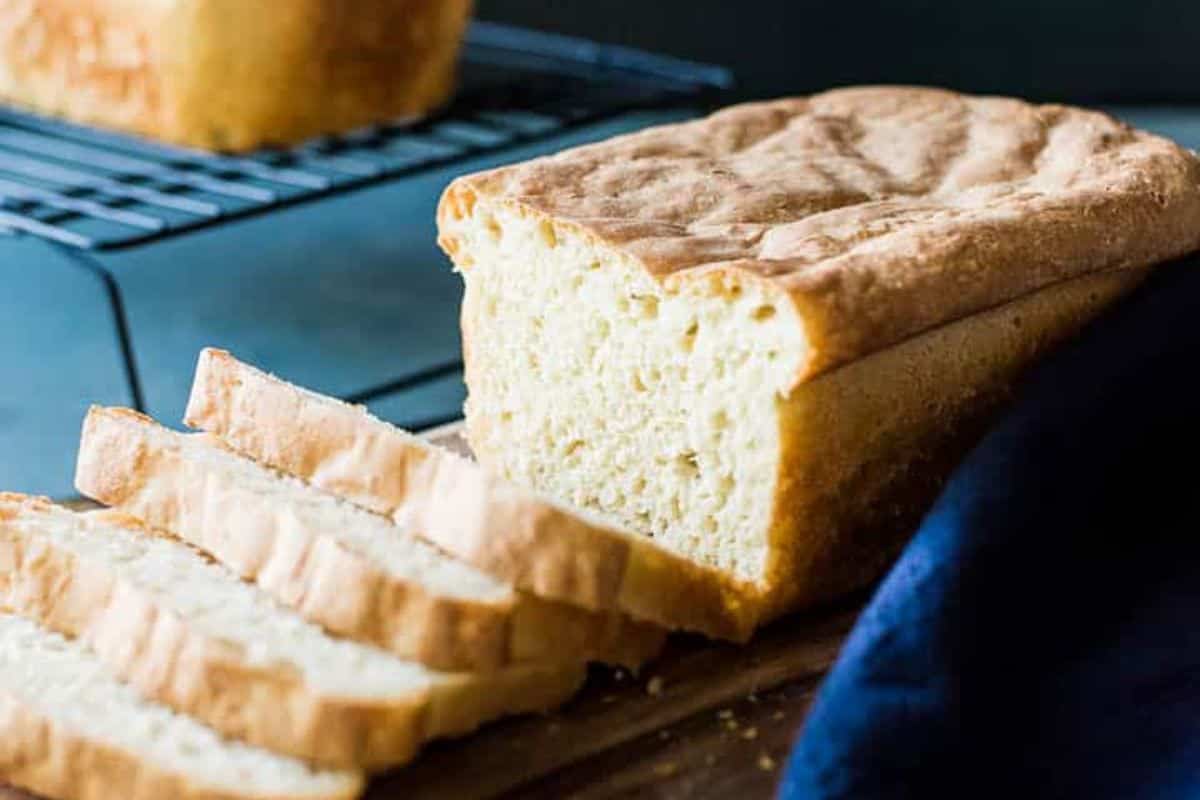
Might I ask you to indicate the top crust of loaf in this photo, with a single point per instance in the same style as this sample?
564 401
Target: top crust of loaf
881 212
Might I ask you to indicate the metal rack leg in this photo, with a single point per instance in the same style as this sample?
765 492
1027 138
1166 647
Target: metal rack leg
87 262
410 381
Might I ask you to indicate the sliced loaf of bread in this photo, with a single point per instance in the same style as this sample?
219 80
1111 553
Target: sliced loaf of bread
352 571
192 635
523 537
69 729
763 338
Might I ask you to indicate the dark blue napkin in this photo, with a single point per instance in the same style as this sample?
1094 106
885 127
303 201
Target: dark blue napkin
1040 636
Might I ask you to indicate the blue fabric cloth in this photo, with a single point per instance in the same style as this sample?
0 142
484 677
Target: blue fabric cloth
1040 635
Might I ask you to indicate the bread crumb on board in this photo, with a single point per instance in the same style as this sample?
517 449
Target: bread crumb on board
750 733
766 763
666 769
654 686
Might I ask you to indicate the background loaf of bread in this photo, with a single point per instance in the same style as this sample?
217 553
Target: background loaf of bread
226 74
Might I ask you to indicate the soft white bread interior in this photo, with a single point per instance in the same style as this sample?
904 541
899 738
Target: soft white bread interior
69 729
526 538
352 571
194 636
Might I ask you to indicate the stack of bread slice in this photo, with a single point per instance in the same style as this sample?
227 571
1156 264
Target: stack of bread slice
227 629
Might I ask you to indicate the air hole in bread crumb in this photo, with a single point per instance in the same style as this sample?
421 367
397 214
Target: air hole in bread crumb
709 525
639 485
493 228
763 313
689 337
549 237
506 416
638 386
648 306
687 464
572 448
720 420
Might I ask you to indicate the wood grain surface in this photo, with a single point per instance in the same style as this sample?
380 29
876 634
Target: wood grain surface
703 720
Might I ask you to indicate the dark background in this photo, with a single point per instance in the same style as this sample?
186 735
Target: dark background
1081 50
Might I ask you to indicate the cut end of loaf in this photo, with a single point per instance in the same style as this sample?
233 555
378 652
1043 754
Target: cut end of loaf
651 401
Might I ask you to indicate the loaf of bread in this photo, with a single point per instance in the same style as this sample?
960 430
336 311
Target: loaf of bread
228 74
449 500
351 571
761 338
192 635
70 730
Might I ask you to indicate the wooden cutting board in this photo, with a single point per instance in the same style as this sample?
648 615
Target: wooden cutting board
703 720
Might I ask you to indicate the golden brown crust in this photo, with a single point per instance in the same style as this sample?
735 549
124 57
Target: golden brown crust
881 212
42 756
866 448
516 535
224 74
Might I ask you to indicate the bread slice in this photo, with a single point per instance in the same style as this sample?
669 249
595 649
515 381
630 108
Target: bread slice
68 729
192 635
761 338
524 538
354 572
